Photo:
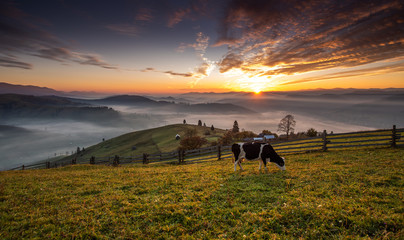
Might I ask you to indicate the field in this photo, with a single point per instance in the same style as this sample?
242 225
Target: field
324 195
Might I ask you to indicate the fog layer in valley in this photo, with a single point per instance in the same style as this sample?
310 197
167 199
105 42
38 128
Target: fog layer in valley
24 140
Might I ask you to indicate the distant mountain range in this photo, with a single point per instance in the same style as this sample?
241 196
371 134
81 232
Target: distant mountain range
171 106
17 106
375 108
42 91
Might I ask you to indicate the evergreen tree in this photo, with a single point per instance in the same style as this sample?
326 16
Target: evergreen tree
199 123
235 127
212 128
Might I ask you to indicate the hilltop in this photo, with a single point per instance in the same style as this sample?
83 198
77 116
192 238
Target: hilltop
161 139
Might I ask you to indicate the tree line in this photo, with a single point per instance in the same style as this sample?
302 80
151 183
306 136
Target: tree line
286 126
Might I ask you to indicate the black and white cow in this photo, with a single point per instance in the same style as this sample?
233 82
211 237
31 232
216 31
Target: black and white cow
256 151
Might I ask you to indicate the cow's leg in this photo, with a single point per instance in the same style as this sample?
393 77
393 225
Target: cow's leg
260 164
239 163
235 165
264 160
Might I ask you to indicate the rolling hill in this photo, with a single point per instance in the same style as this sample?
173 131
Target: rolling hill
161 139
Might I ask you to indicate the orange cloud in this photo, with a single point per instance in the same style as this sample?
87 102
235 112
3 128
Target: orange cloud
289 37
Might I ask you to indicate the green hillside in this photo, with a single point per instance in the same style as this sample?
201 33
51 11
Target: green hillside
161 139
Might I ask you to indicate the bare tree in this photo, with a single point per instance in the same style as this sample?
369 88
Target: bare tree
287 125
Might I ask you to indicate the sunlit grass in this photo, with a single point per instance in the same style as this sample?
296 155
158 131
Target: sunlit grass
344 194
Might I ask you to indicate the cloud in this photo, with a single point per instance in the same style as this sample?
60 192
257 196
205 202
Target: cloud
94 60
177 16
207 66
144 14
194 10
149 69
385 68
22 35
124 29
7 61
179 74
200 45
65 55
289 37
57 53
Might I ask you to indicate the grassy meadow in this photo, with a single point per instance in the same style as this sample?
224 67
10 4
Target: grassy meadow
355 194
160 139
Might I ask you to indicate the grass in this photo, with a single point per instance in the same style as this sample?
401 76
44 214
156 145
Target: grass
356 194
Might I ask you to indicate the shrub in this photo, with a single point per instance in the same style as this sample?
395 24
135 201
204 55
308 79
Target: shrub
311 132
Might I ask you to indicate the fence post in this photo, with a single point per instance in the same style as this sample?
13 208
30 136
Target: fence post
145 158
183 156
116 161
92 160
47 165
23 167
219 152
74 161
179 156
394 137
325 140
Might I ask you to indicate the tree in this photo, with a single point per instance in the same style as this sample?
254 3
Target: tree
287 125
185 122
226 139
311 132
212 128
199 123
235 127
193 142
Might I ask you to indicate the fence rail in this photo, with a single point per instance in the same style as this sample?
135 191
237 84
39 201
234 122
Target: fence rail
382 138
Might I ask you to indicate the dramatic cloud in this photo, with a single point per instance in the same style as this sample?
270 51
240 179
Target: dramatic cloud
385 68
20 35
287 37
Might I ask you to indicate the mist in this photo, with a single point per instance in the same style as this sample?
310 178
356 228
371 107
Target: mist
29 140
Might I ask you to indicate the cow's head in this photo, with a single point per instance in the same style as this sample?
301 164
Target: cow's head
281 163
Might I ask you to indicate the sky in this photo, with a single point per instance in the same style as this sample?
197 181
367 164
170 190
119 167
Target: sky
159 46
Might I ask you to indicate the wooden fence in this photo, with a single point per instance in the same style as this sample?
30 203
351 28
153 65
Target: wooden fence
325 142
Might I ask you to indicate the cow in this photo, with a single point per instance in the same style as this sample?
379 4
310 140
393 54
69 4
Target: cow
256 151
